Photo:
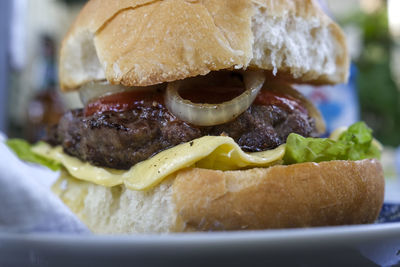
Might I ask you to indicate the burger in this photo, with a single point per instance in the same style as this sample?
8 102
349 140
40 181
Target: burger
191 123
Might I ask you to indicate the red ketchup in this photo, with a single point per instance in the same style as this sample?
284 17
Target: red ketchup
266 97
122 101
213 95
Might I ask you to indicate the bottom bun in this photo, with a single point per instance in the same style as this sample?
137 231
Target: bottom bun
299 195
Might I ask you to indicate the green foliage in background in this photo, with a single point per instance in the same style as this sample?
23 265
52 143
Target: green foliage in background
378 93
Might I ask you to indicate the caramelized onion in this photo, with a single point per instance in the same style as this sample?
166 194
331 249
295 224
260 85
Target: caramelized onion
203 114
93 90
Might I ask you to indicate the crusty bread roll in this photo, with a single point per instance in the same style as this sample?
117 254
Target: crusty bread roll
144 42
299 195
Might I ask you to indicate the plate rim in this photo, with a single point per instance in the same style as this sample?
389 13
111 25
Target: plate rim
333 234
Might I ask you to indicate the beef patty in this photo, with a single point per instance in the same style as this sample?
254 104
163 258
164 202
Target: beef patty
121 139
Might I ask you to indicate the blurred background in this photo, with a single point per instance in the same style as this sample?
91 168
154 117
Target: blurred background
33 30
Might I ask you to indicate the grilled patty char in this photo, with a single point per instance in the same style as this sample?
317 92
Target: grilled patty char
121 139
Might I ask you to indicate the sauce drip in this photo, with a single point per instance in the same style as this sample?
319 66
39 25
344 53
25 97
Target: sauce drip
213 95
267 97
122 101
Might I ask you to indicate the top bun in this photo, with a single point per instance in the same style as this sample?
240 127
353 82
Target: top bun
144 42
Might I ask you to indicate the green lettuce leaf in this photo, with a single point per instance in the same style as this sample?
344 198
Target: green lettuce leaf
24 151
355 143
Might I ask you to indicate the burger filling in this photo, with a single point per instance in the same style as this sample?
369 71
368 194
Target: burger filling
221 121
120 129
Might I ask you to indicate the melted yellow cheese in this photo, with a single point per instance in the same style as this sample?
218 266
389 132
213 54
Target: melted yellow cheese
211 152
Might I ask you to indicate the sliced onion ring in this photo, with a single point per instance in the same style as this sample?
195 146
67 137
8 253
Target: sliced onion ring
213 114
93 90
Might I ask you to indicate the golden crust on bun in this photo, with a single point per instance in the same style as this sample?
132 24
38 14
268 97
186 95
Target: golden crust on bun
298 195
141 43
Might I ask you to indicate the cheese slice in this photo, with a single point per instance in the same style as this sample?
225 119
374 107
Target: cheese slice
211 152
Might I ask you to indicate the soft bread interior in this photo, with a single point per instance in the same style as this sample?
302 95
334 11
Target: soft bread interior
300 42
139 43
117 209
299 195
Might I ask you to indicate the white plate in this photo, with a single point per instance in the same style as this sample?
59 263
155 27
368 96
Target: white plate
362 245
